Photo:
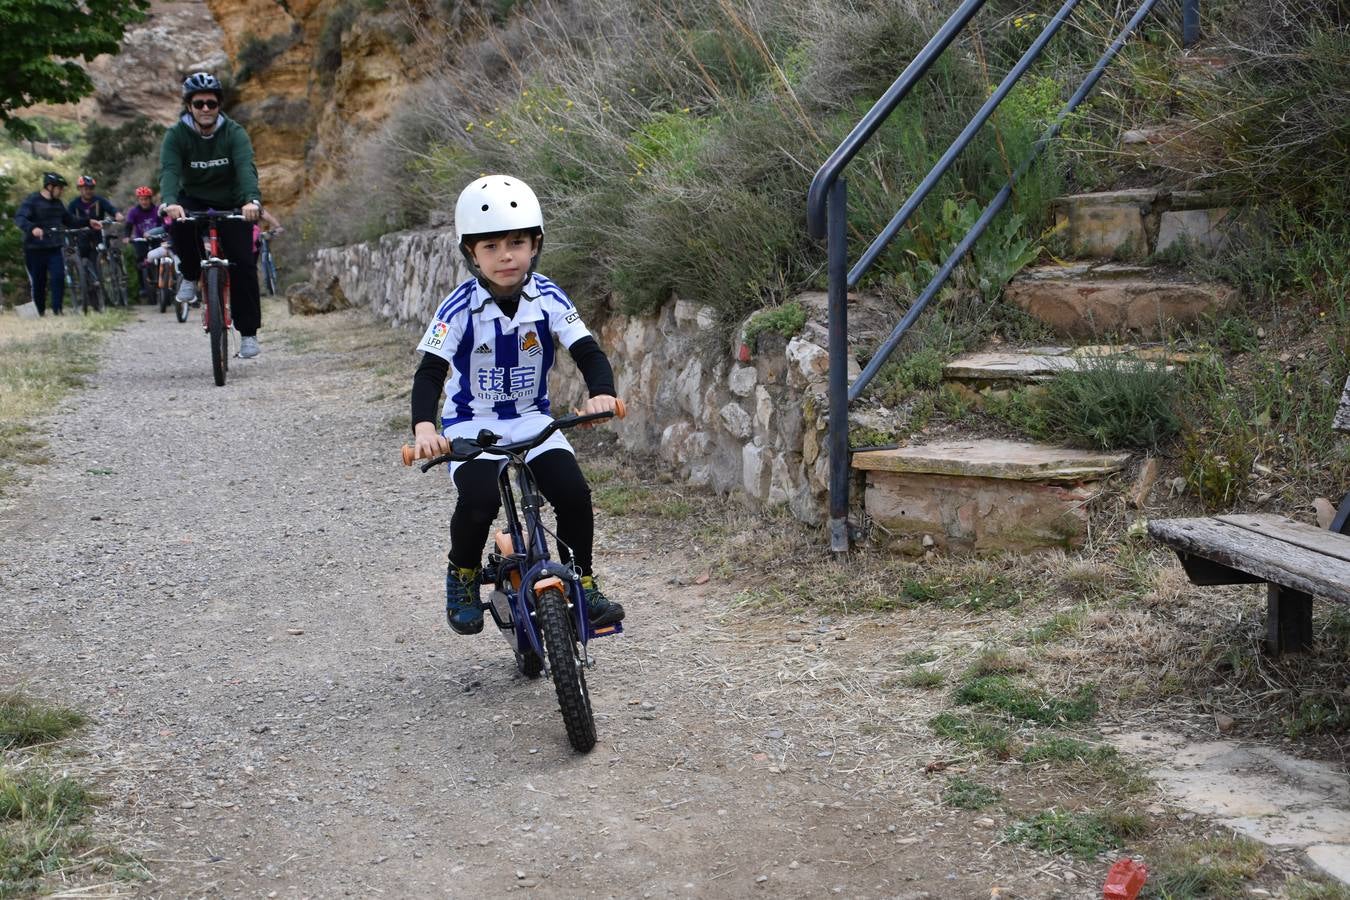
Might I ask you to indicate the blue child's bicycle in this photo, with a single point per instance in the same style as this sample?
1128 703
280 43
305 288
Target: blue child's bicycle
537 602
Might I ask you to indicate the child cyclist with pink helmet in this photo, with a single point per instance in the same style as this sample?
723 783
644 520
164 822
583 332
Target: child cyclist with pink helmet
490 345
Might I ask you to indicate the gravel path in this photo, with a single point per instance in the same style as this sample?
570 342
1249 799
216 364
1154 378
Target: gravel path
245 591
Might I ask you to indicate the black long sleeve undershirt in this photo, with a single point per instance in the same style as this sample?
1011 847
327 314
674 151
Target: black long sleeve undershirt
430 377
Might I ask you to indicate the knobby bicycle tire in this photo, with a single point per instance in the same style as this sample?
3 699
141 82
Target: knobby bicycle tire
120 278
569 679
75 272
270 273
215 326
165 295
93 286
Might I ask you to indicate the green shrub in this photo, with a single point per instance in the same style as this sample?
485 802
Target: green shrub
1111 403
112 149
786 320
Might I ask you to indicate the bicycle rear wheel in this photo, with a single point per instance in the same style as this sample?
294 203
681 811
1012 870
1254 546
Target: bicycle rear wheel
564 664
215 325
270 274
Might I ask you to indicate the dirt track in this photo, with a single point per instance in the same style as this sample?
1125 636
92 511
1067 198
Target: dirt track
246 593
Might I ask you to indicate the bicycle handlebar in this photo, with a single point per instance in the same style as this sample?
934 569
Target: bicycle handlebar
465 449
209 214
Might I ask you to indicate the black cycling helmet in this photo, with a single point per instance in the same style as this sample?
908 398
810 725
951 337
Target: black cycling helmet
200 83
52 178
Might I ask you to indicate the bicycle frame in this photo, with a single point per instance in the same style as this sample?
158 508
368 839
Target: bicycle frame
214 260
522 568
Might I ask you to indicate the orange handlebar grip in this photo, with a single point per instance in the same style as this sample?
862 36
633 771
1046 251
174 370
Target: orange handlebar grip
621 409
409 454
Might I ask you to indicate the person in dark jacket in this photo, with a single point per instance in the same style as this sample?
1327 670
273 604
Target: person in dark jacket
89 205
38 217
206 162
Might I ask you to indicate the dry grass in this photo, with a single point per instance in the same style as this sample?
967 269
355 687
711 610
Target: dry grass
41 360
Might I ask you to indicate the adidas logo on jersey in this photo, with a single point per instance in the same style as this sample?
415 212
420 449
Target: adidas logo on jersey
483 348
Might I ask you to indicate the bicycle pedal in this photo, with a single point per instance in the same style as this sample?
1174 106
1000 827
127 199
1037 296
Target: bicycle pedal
607 630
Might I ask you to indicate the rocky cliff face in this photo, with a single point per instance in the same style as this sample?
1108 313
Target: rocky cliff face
316 74
326 74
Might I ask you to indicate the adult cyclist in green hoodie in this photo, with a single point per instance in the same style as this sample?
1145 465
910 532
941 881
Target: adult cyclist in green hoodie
206 162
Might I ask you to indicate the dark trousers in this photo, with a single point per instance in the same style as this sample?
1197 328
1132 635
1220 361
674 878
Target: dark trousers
236 245
45 265
562 484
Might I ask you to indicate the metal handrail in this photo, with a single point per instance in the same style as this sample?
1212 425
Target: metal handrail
830 172
827 212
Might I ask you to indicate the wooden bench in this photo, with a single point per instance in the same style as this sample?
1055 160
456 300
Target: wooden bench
1296 561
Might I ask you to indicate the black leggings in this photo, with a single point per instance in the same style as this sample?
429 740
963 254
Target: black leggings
236 244
562 484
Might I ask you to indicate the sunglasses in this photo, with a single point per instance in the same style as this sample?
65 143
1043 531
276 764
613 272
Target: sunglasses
205 104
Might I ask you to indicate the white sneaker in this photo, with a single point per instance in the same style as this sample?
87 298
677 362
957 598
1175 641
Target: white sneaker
187 292
248 348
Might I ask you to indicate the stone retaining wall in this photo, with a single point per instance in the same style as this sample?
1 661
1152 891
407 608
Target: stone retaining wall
753 425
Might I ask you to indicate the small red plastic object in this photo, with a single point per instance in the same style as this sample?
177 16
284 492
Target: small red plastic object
1124 880
743 352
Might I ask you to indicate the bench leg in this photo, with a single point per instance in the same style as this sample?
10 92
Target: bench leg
1288 620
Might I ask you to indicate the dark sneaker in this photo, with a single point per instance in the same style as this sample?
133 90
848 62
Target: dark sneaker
600 609
463 609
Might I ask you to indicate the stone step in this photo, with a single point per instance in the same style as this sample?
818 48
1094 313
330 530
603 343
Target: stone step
983 496
1034 365
1089 300
1134 224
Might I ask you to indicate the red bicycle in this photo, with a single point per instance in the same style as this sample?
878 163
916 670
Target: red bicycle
214 288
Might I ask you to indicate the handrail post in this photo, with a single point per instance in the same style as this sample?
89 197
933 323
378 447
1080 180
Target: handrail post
1190 23
837 235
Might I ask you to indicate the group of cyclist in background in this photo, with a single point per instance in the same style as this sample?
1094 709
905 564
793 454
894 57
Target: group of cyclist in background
42 217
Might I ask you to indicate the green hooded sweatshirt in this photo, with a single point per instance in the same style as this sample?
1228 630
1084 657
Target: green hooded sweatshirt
218 170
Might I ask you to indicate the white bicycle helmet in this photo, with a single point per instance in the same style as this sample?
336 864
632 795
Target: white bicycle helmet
493 204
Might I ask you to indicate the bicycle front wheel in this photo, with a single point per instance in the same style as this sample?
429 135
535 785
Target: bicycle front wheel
564 664
215 325
270 274
93 285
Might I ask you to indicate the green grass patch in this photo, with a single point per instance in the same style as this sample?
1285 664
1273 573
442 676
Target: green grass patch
44 801
617 499
1212 867
1081 834
975 591
963 793
924 678
25 722
999 692
1068 750
1302 889
1058 627
974 732
786 320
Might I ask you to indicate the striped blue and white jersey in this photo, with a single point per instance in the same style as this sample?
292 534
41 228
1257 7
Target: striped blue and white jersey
499 366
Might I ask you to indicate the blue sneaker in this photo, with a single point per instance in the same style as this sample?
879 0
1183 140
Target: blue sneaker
463 608
599 609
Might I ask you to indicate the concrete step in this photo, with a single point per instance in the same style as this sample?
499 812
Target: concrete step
1035 365
1091 300
983 496
1134 224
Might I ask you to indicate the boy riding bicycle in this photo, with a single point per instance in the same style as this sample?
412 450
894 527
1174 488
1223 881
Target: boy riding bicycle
493 337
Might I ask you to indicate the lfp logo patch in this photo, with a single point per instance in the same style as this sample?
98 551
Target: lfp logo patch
436 336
